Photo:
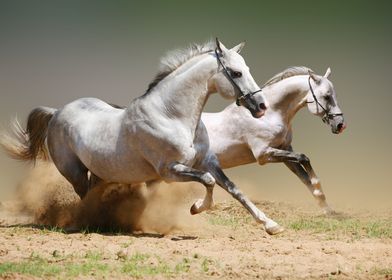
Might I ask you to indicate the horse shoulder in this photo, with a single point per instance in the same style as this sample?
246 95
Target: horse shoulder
151 133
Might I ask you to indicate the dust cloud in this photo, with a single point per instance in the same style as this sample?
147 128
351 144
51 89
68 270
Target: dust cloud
44 197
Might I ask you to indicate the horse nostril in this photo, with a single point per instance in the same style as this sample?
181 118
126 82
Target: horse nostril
262 106
340 126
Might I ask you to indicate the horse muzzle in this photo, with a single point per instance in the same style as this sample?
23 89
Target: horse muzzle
338 125
260 112
340 128
254 103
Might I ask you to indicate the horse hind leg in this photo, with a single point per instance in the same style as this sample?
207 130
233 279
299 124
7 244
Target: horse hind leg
76 173
94 180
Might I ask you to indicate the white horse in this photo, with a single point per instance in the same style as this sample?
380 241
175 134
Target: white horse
155 137
269 139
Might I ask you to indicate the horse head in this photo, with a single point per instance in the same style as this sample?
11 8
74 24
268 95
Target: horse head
322 101
234 80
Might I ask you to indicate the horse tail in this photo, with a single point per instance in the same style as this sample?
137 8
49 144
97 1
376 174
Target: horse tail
29 144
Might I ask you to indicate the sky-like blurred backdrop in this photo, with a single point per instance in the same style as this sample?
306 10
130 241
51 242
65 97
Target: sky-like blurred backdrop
52 52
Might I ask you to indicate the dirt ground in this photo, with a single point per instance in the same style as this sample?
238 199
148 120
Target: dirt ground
118 232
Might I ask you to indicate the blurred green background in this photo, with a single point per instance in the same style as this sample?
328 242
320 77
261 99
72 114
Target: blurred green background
52 52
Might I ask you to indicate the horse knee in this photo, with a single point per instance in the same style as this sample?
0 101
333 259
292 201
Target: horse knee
303 159
208 180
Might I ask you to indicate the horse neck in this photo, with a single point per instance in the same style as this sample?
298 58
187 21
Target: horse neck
183 94
288 96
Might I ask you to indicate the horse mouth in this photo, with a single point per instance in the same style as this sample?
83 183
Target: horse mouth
339 128
258 114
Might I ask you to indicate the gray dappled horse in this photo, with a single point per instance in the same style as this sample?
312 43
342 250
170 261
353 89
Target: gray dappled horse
155 137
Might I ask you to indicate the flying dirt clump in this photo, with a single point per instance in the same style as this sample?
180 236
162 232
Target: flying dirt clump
50 200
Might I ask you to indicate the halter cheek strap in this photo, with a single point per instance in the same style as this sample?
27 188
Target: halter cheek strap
327 115
242 96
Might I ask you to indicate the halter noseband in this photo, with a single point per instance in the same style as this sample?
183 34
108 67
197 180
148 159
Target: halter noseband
241 96
327 115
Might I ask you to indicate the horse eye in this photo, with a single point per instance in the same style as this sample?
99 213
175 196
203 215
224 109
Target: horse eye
327 98
236 74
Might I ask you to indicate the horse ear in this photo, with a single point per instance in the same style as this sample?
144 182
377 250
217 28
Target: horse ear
314 77
220 47
328 73
239 47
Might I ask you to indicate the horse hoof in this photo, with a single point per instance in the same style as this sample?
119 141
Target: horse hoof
196 207
275 230
194 210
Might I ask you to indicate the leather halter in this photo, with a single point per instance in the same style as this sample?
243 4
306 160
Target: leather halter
242 95
327 115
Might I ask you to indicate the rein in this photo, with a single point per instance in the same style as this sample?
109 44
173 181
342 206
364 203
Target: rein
327 115
242 95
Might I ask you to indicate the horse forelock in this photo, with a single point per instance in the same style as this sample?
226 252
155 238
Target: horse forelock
287 73
174 59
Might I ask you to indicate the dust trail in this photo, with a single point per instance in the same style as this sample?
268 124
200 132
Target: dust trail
46 198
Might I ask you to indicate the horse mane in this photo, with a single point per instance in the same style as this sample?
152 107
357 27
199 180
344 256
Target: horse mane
174 59
287 73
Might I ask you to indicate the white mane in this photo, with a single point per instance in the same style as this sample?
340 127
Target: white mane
289 72
174 59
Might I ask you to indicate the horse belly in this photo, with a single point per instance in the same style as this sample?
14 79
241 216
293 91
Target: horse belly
127 169
234 155
120 163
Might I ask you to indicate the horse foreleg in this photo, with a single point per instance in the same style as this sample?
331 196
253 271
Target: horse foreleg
183 173
310 179
223 181
300 165
313 185
205 203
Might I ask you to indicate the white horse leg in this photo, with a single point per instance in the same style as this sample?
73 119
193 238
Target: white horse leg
94 180
222 180
300 165
183 173
76 174
310 179
205 203
67 162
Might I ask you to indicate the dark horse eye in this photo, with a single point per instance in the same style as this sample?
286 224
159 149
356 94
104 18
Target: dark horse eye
236 74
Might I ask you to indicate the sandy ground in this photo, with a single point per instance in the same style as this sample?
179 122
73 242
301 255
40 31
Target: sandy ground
122 233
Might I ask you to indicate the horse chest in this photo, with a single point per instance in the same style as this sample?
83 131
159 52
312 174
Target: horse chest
272 131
